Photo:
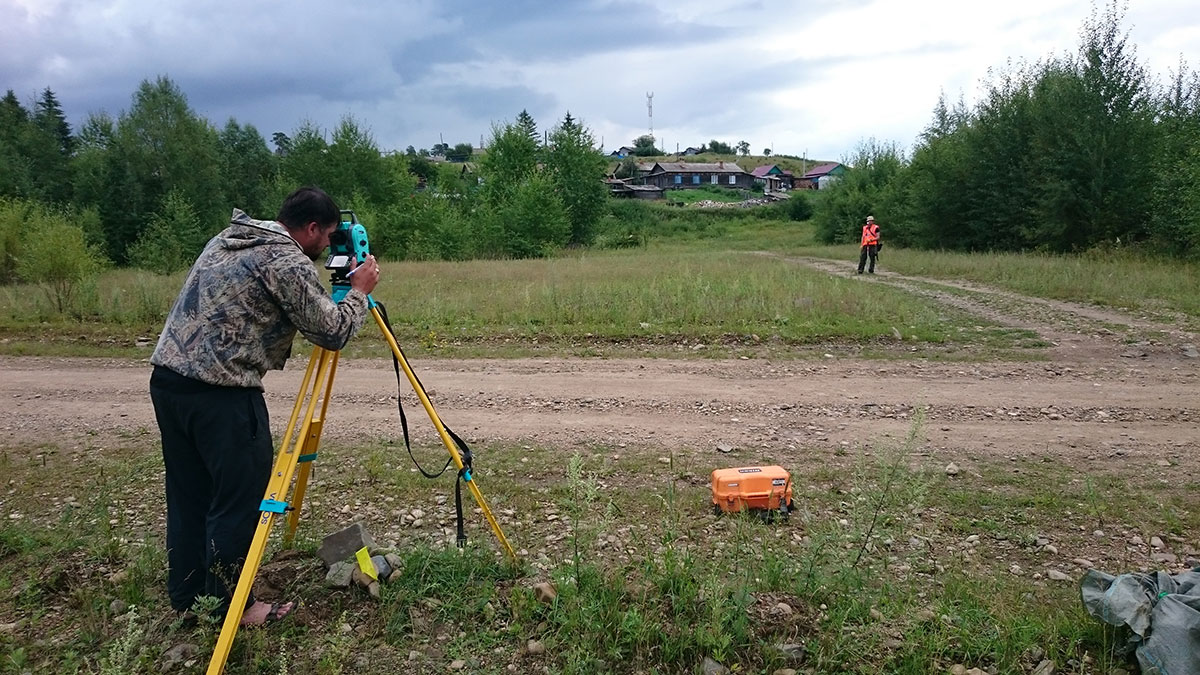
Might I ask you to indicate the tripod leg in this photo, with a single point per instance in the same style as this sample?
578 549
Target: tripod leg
307 455
321 367
441 429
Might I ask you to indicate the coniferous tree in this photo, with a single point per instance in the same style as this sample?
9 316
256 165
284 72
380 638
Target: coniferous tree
576 168
526 124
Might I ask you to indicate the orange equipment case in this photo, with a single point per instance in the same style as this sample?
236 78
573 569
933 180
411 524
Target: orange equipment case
765 488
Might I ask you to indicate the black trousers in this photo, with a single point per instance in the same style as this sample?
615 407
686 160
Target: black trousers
218 454
871 250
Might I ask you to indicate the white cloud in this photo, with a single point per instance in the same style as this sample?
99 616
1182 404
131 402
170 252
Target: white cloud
791 75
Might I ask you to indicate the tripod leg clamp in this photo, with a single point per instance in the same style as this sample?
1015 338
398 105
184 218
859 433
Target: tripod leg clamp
272 505
307 458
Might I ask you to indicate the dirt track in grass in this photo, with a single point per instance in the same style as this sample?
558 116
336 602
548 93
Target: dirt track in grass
1111 387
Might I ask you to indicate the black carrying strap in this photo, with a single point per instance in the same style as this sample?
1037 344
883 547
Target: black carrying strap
464 451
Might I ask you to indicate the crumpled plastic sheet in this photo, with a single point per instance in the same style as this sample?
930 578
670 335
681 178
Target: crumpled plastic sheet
1161 610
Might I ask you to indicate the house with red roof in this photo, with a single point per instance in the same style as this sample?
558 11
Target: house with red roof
821 175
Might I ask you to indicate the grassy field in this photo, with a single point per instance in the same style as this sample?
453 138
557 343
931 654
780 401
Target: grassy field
875 572
1120 279
889 565
659 299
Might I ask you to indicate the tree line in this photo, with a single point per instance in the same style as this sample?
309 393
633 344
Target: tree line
1067 154
149 187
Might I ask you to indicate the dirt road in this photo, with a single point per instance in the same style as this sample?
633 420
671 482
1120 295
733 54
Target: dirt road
1114 387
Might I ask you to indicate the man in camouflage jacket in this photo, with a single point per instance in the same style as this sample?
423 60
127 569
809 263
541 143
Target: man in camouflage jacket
252 288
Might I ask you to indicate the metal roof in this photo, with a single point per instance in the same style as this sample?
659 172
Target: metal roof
821 169
692 167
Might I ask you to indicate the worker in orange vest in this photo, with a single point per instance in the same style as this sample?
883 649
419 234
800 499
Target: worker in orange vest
870 245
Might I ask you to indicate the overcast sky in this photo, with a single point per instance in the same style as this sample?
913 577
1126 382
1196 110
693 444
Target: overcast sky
793 76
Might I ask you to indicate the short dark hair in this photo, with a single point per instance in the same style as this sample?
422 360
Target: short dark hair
307 205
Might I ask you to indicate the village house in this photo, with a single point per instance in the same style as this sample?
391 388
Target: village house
686 175
821 176
775 178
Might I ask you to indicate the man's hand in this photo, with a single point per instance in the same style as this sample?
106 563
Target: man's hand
364 277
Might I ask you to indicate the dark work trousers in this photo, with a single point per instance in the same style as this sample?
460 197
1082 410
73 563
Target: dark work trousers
218 453
870 250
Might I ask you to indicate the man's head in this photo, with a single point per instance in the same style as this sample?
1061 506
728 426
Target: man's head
310 216
870 219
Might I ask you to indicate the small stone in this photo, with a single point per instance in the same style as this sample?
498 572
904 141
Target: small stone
340 574
382 568
545 592
1098 533
1055 575
1084 563
952 469
725 448
118 607
711 667
1051 549
1157 543
792 651
375 591
177 655
342 544
535 648
458 664
1162 557
360 578
1046 667
781 610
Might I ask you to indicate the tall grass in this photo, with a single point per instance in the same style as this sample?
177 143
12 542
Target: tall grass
650 294
1115 278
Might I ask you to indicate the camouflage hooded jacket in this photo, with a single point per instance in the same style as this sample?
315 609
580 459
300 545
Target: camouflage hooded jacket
243 300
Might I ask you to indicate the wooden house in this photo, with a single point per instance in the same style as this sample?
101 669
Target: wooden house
688 175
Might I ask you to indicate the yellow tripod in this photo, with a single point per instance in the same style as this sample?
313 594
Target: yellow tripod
299 450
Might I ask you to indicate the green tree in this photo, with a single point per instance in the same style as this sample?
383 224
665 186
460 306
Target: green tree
461 152
247 167
643 146
356 164
576 170
282 143
1175 212
511 158
49 146
172 240
531 222
55 255
307 159
161 144
876 185
91 166
16 174
743 148
722 148
527 125
627 168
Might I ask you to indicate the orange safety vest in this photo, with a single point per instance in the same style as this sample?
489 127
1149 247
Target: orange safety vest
870 234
